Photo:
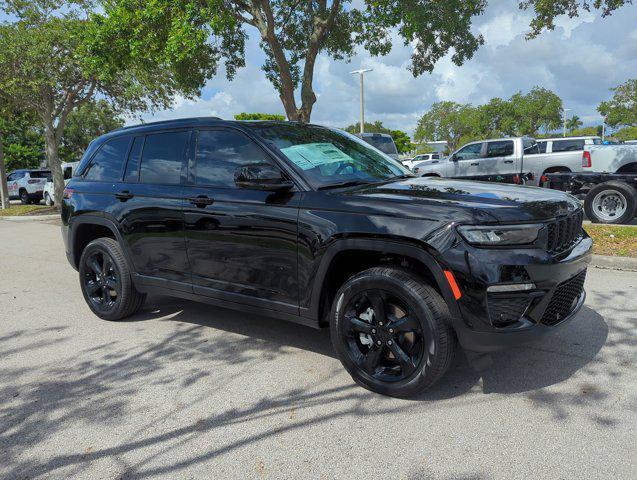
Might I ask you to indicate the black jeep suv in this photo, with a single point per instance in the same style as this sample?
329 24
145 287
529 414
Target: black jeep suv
313 225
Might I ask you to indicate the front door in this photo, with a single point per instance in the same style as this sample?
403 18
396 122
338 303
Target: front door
242 243
464 163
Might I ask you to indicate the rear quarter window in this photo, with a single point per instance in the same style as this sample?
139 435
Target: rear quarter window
163 157
568 145
502 148
107 164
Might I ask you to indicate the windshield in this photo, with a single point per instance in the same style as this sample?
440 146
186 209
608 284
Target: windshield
331 157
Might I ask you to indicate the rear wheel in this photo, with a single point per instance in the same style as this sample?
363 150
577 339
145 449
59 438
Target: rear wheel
106 281
611 203
392 331
24 198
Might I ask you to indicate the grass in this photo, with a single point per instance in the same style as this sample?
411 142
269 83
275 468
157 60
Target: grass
613 240
16 210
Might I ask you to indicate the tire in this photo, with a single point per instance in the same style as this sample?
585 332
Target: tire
24 198
422 331
611 203
115 297
48 201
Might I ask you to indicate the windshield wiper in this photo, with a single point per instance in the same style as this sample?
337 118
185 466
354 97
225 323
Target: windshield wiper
350 183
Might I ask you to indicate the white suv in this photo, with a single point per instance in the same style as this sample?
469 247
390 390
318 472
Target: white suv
27 185
49 189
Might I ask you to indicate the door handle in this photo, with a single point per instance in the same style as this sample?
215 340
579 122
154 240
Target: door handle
508 161
124 195
201 201
475 164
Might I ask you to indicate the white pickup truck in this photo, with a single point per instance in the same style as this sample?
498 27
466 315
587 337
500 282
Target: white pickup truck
607 183
512 160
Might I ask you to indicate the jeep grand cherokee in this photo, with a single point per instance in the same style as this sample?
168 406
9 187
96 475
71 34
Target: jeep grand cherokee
313 225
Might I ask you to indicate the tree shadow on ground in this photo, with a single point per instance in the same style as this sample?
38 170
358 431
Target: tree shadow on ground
102 387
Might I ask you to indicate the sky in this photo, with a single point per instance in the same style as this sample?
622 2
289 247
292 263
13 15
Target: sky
580 60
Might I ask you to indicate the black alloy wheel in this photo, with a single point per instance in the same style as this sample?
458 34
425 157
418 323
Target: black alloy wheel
392 331
382 336
106 281
101 281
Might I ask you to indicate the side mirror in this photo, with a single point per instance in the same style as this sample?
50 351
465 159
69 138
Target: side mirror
261 176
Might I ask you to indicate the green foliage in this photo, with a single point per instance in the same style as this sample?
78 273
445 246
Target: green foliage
259 116
573 123
547 10
402 141
626 133
622 108
22 140
586 132
376 127
522 114
89 121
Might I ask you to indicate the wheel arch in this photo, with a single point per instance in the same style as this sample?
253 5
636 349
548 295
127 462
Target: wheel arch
331 273
86 228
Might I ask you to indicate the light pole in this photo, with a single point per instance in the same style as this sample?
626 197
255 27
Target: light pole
603 128
564 120
360 75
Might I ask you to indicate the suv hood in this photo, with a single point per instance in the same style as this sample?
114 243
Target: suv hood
503 202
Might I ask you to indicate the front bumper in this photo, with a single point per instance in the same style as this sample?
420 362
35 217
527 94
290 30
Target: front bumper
498 321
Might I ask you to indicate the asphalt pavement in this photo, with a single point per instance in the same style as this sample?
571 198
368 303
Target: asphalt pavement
185 390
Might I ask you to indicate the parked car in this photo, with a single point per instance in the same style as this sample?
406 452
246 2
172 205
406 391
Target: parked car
383 142
27 185
312 225
562 154
49 189
607 183
423 157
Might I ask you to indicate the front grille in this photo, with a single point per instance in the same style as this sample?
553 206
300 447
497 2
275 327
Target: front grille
565 232
504 311
564 298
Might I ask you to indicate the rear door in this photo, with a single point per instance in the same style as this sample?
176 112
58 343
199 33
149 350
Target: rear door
148 206
242 243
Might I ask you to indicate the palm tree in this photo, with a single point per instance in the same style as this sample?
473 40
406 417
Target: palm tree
573 123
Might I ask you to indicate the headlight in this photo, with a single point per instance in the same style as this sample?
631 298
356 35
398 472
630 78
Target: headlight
500 235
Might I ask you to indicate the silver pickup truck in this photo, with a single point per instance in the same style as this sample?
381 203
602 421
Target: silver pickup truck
511 160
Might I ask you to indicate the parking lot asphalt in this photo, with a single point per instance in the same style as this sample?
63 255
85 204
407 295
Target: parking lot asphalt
185 390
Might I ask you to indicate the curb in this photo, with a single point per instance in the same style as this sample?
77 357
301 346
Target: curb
30 218
614 263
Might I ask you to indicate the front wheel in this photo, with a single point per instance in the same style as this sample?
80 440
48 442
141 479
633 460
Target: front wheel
48 201
106 281
24 198
611 203
392 331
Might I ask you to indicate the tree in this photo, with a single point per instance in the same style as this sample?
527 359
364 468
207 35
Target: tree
546 11
540 109
53 60
621 109
89 121
573 123
259 116
626 133
448 121
22 138
293 33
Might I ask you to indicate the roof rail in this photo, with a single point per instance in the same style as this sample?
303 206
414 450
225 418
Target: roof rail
159 122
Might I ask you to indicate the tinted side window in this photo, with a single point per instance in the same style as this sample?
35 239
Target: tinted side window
567 145
132 167
502 148
163 157
220 153
530 147
435 156
469 152
541 147
68 173
107 163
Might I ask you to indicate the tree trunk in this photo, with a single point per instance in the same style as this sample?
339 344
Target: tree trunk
4 190
53 160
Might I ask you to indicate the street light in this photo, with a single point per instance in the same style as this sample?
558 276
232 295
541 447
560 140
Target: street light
360 75
564 110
